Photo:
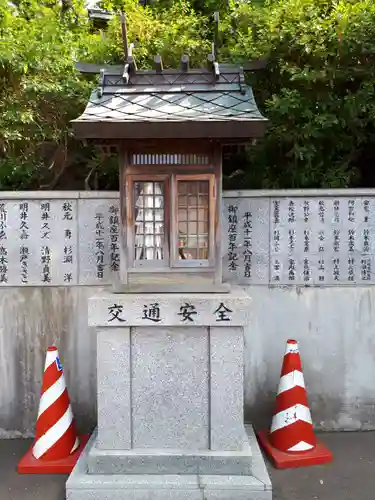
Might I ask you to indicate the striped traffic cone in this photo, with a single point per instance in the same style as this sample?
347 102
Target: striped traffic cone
56 447
291 441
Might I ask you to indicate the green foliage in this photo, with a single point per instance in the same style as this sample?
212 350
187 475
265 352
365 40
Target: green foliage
317 92
40 92
317 89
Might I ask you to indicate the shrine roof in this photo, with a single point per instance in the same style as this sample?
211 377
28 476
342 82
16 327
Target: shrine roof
152 104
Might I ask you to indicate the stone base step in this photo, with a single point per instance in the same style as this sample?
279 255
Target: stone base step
84 486
148 461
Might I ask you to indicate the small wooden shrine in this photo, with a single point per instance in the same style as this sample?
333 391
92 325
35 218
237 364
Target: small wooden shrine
169 127
170 338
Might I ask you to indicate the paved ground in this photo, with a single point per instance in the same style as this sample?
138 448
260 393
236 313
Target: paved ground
350 477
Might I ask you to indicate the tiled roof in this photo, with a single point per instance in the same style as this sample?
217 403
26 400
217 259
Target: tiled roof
172 97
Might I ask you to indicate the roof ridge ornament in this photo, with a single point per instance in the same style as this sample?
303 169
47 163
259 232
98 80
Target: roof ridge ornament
184 63
212 58
130 66
242 81
158 64
101 83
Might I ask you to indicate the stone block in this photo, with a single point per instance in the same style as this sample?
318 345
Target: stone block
226 368
170 388
114 389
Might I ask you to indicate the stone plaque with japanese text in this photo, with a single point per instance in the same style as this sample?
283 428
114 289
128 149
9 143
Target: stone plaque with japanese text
38 242
123 310
322 241
246 247
99 240
299 240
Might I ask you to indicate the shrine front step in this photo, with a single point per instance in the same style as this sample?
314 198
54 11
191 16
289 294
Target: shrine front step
146 461
82 485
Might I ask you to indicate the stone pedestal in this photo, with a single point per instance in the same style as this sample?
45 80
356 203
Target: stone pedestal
170 401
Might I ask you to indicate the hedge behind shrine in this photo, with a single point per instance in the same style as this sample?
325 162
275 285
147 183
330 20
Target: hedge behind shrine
317 88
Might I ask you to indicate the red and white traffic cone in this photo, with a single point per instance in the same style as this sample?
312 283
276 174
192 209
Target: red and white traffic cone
57 447
291 441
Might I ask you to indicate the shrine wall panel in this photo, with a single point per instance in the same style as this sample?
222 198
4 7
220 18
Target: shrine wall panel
59 248
269 238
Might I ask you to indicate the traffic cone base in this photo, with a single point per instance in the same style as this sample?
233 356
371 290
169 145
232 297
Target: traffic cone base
30 465
319 455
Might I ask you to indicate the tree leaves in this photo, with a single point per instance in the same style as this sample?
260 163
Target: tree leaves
317 89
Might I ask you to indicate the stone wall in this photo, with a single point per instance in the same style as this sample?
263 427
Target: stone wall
332 318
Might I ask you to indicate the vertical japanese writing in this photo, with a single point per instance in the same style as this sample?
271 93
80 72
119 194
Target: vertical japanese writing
68 258
350 269
321 238
3 221
336 240
24 262
45 258
276 263
351 240
45 209
321 211
306 270
351 211
366 240
24 221
321 264
232 237
24 236
366 270
291 240
276 240
276 211
247 243
291 212
336 269
114 246
99 245
276 270
306 211
366 262
306 241
366 209
336 211
67 209
291 270
306 246
3 265
46 264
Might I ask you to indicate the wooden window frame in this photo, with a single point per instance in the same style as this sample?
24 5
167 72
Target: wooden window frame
171 261
147 265
175 262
